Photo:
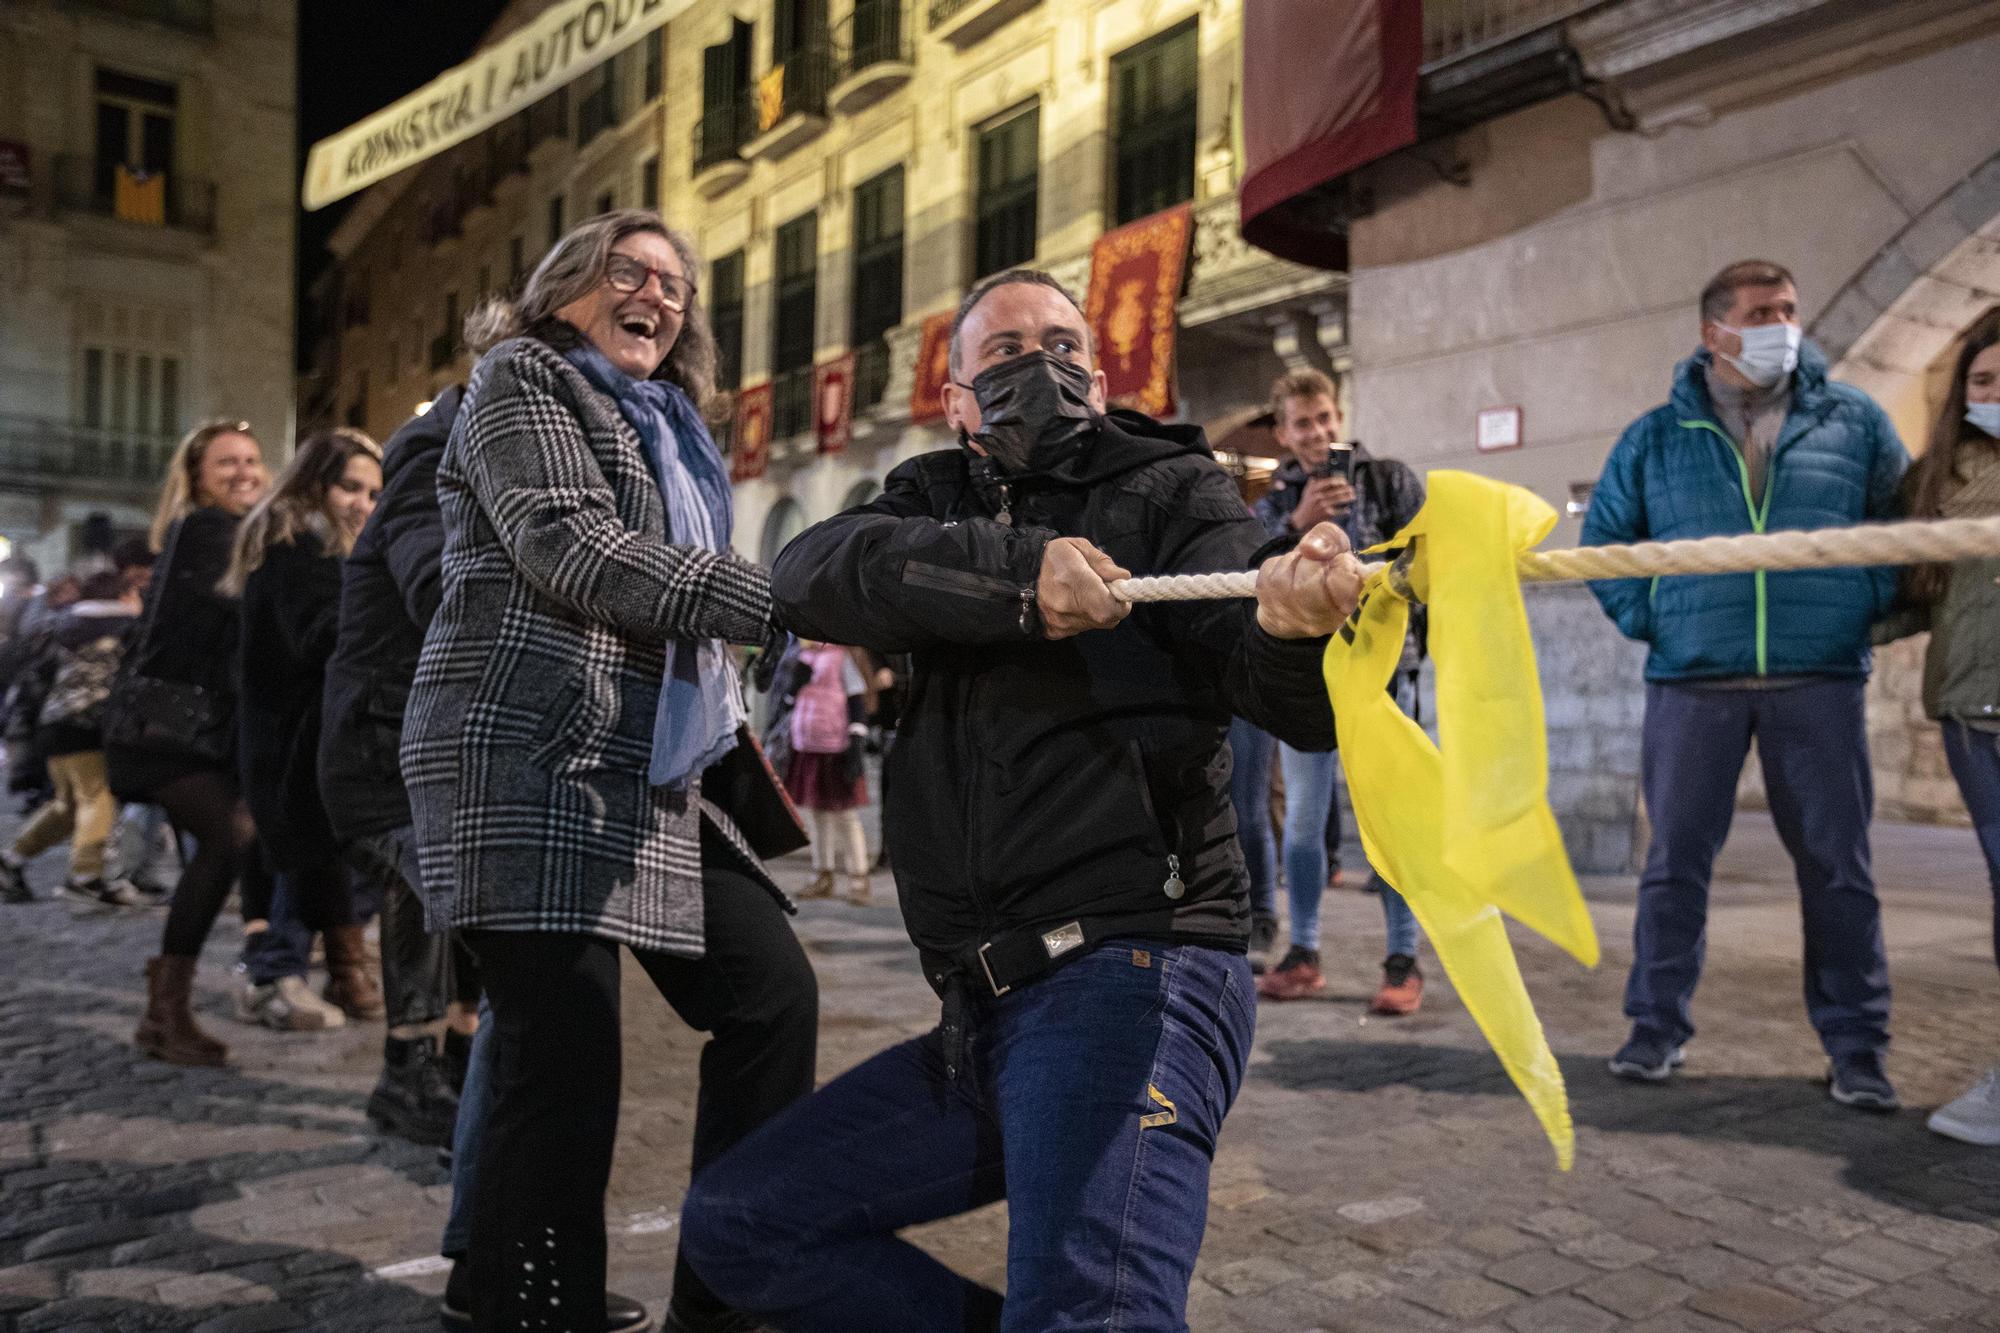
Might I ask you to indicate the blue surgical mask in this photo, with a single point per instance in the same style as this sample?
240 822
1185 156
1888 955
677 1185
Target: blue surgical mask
1986 416
1770 352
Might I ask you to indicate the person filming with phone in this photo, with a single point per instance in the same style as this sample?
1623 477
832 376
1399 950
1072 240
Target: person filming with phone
1329 478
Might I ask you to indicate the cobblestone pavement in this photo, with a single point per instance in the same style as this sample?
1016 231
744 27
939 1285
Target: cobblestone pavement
1375 1174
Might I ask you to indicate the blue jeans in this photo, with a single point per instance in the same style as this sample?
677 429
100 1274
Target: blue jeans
1974 756
1091 1102
284 947
475 1102
1813 742
1250 794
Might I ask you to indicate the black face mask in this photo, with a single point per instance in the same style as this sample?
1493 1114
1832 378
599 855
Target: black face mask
1031 408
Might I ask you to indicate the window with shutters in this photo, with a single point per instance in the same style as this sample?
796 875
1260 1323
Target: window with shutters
795 299
135 129
727 116
725 316
878 280
649 183
1153 93
655 79
1007 163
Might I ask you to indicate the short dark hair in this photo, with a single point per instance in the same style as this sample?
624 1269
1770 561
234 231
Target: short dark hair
1720 293
986 286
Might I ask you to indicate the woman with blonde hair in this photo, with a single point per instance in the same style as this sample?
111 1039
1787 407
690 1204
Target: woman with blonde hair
170 721
286 571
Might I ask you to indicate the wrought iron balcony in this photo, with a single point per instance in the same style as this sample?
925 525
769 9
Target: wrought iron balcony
43 454
963 22
1454 29
871 373
790 101
873 55
87 185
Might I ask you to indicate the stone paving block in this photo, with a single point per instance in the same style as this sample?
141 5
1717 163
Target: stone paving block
1355 1284
1707 1266
1943 1234
1558 1314
1539 1273
1463 1298
1821 1284
1748 1305
1930 1297
1248 1277
1400 1235
33 1283
1304 1229
89 1236
1560 1224
1822 1223
1723 1211
1666 1230
1679 1321
1883 1259
1606 1250
1635 1293
253 1319
1980 1272
1495 1240
1672 1190
1769 1244
1369 1211
90 1312
1867 1319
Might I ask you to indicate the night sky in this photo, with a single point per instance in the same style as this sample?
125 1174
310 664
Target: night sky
357 56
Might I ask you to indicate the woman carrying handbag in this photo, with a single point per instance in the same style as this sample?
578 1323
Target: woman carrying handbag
170 723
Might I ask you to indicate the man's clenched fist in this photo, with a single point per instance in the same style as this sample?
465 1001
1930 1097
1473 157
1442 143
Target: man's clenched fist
1072 589
1307 593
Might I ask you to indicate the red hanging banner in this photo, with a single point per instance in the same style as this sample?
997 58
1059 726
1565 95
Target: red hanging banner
933 369
1135 287
833 403
750 447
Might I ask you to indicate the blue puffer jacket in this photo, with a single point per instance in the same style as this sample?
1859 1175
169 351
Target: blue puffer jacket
1677 473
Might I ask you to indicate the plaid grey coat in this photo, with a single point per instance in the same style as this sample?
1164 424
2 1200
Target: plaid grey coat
530 721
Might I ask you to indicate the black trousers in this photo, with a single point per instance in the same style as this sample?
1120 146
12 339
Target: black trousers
538 1242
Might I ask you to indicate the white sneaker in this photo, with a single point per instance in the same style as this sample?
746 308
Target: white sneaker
1974 1116
288 1005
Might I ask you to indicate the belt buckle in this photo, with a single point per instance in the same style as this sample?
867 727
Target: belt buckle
997 989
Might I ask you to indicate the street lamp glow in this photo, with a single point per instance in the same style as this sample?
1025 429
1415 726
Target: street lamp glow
423 407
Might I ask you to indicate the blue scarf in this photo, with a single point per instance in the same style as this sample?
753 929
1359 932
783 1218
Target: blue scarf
701 705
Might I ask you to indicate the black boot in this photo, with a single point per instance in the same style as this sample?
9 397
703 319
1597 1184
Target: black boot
412 1100
622 1314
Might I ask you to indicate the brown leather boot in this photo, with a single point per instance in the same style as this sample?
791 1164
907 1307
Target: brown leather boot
168 1031
351 982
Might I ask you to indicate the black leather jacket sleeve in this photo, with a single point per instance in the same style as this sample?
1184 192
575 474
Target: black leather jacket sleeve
890 578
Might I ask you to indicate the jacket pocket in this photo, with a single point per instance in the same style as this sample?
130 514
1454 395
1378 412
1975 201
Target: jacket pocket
562 733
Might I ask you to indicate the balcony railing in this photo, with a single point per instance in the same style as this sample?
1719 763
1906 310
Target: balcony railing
871 373
192 15
792 403
944 11
86 185
44 452
722 132
1457 28
875 32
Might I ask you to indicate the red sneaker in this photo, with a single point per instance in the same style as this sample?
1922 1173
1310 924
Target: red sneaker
1297 978
1402 990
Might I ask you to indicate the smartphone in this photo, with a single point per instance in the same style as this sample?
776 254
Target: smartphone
1339 463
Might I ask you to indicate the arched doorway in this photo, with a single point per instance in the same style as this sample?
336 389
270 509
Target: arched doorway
785 521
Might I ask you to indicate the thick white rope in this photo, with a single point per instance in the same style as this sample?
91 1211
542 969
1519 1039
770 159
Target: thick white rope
1936 541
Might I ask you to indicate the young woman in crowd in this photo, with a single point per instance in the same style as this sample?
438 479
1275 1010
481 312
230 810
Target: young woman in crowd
574 685
170 723
1958 476
285 569
75 670
825 772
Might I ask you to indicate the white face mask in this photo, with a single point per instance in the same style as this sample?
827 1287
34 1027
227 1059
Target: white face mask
1770 352
1986 416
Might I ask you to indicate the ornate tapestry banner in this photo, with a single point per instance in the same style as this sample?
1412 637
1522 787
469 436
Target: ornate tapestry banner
1135 284
933 369
833 403
750 446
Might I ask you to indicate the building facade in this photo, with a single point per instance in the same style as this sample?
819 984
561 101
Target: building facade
847 168
147 191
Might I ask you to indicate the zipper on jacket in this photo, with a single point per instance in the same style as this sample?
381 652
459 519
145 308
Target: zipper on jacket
1759 516
964 582
1005 518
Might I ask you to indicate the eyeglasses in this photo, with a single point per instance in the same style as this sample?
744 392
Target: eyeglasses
626 274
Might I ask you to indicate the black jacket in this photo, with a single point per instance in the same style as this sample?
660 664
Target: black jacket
189 634
389 590
1040 782
291 603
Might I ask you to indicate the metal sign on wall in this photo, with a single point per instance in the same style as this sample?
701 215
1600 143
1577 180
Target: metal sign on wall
497 82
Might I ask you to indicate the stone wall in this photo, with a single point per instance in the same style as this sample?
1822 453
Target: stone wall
1595 700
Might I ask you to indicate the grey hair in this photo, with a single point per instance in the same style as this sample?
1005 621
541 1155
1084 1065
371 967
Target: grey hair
986 286
571 269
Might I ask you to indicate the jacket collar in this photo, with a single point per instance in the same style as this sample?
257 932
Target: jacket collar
1690 397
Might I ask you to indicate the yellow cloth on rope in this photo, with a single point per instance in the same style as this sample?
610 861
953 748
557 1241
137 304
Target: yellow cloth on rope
1463 828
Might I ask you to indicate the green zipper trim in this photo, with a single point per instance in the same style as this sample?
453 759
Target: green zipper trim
1758 517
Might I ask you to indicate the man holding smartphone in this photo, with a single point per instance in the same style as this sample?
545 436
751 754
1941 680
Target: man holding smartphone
1329 479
